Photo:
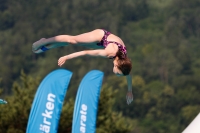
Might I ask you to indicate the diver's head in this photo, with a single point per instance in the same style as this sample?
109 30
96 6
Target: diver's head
122 66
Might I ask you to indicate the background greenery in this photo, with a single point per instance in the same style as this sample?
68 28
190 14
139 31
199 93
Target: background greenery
162 38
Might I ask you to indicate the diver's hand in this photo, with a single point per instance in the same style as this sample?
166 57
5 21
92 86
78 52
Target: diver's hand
129 97
62 60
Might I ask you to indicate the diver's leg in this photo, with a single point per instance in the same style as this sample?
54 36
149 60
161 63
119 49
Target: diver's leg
88 39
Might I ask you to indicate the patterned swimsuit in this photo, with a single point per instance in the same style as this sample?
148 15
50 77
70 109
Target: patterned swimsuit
104 43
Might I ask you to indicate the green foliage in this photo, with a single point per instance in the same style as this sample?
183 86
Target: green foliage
109 120
65 123
14 114
162 38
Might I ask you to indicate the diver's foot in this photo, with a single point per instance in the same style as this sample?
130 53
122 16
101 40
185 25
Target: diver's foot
38 44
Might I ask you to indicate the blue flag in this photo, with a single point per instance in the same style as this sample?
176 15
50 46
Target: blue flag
86 105
48 101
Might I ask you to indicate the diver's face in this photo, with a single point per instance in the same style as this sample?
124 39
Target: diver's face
116 70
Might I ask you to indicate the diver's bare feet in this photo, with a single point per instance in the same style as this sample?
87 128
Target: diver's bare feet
38 44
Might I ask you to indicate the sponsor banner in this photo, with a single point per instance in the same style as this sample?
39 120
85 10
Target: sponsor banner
48 101
86 105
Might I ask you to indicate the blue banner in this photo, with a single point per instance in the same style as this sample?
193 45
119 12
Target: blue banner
48 101
86 105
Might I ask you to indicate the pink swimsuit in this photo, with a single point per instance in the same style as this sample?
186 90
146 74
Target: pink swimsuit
104 43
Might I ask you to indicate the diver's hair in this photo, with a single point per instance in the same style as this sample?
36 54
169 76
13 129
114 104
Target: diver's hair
120 55
124 63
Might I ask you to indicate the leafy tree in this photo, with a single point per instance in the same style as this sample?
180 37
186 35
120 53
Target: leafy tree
14 114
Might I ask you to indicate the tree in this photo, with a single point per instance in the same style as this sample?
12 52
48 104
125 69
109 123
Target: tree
14 114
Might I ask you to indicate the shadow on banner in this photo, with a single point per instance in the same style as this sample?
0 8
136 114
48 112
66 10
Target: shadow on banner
48 102
86 105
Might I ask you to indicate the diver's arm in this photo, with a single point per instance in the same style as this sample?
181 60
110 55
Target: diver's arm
101 53
129 96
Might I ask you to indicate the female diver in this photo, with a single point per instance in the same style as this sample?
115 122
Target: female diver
113 48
